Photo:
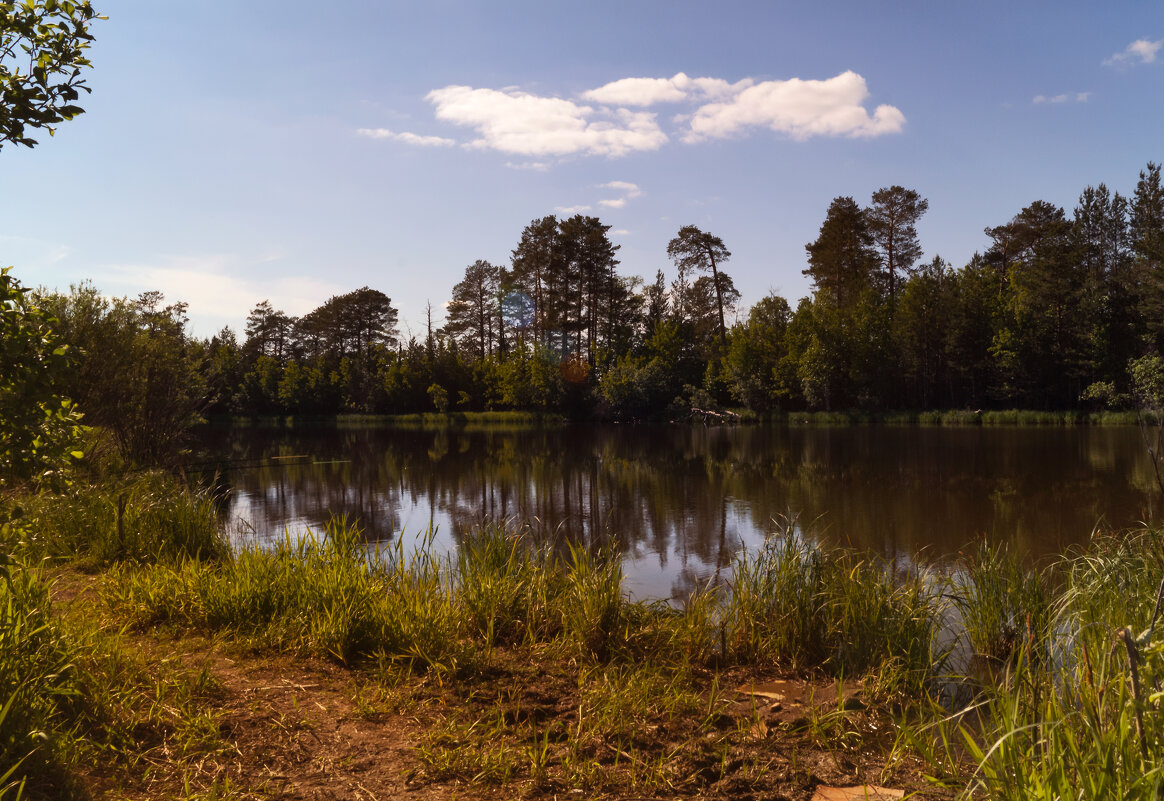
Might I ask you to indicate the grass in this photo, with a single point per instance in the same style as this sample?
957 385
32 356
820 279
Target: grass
415 420
1071 706
1004 607
324 595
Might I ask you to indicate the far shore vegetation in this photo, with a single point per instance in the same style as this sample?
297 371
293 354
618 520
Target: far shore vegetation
949 417
1058 318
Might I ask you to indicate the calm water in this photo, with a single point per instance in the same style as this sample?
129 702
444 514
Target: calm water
680 501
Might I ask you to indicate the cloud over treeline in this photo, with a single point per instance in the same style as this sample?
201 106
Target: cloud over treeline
615 119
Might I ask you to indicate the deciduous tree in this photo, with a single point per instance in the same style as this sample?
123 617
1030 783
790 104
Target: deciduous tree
43 47
38 425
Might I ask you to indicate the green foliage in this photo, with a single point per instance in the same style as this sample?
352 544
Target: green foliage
42 55
635 389
1147 374
39 428
136 372
1055 305
755 353
439 397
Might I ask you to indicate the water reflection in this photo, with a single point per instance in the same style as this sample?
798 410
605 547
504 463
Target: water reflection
681 501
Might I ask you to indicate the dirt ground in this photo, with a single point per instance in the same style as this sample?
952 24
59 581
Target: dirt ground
290 727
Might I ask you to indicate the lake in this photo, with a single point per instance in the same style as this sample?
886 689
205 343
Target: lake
681 501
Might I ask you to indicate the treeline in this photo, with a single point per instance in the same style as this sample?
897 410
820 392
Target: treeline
1049 316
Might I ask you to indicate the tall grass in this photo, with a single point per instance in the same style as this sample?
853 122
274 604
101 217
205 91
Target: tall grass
150 519
35 673
325 594
71 694
507 588
1071 708
810 606
1004 606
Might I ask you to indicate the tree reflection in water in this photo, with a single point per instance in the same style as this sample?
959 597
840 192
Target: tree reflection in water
679 501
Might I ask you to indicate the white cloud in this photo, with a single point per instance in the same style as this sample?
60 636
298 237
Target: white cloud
213 286
621 231
609 121
529 125
1076 97
406 138
648 91
641 91
569 211
799 108
631 190
1141 51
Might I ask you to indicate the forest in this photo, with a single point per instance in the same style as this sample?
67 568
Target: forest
1049 316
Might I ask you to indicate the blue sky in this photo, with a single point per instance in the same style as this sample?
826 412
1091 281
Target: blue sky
239 151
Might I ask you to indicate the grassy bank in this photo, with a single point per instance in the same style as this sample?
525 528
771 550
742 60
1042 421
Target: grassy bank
418 420
949 417
960 417
528 669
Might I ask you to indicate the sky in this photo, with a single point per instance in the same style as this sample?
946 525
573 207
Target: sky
234 152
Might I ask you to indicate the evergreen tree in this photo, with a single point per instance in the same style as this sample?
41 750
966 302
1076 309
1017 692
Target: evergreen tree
842 262
892 221
472 314
695 250
921 325
1147 233
1102 247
